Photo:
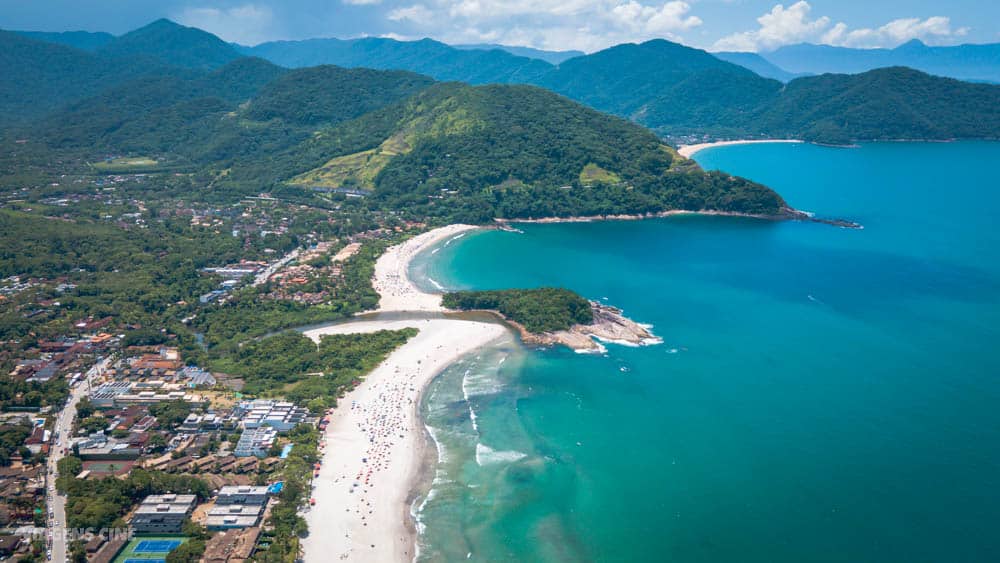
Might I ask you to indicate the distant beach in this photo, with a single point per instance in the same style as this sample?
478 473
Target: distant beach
375 439
687 151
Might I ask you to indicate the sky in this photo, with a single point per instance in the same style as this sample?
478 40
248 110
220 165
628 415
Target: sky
587 25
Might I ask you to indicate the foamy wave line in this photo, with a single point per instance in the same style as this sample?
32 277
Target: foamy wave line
436 284
437 443
644 342
486 455
453 239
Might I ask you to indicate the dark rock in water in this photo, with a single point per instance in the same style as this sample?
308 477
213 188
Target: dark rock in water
796 215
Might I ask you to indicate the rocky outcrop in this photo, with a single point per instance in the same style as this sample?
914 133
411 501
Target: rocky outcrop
609 325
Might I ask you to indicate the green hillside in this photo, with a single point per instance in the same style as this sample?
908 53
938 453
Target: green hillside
175 44
426 56
889 103
677 90
475 153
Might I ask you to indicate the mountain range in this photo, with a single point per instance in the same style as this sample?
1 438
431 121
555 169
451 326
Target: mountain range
673 89
965 62
242 125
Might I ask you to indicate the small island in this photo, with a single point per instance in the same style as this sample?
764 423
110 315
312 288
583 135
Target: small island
548 316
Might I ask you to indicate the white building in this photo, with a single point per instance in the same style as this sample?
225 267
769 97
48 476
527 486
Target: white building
162 514
280 415
255 442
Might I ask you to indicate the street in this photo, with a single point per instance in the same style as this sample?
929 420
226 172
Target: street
60 439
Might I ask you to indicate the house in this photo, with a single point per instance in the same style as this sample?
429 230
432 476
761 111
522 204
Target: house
255 442
237 507
162 514
242 495
280 415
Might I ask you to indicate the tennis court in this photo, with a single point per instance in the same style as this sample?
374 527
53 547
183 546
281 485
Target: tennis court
156 546
149 549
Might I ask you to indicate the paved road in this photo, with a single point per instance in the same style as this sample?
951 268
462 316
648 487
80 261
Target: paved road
64 422
263 276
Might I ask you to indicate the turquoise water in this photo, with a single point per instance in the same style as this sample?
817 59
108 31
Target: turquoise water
821 394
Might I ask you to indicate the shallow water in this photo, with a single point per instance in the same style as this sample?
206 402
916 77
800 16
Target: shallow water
822 394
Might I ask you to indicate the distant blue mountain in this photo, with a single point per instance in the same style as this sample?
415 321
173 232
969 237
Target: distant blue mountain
84 40
979 63
760 65
551 57
425 56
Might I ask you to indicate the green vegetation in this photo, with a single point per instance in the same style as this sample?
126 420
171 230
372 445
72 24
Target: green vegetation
475 153
293 366
538 310
677 90
170 413
11 438
245 315
102 503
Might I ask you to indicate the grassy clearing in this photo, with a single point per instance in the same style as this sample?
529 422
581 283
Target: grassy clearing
594 174
126 163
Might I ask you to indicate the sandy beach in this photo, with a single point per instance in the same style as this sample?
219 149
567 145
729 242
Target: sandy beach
687 151
374 441
392 280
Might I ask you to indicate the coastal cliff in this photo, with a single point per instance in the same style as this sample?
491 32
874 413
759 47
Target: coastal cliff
548 316
609 325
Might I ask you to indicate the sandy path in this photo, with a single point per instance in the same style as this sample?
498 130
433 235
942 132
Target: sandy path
373 442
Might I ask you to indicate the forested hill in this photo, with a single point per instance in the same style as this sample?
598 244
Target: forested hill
883 104
677 90
423 150
473 153
426 56
178 45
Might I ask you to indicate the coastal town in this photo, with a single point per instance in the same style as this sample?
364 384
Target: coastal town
123 438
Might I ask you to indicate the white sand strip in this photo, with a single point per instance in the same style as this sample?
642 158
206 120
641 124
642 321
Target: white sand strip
373 441
373 452
687 151
392 280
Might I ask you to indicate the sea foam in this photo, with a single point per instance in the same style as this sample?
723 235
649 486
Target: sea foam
486 455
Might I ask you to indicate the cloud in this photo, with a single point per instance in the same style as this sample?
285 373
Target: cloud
786 26
361 2
248 24
417 14
558 24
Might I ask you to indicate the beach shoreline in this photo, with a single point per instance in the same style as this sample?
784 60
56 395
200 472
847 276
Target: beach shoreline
505 223
687 151
397 292
376 446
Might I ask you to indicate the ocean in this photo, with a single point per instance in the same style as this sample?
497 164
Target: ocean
822 394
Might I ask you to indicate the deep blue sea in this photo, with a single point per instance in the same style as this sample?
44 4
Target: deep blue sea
822 394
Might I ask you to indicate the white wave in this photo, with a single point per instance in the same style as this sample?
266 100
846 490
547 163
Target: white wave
502 360
599 350
644 342
436 284
486 455
673 351
453 239
477 384
435 251
472 417
437 443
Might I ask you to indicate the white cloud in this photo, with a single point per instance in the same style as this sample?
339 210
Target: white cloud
786 26
556 24
361 2
248 24
418 14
